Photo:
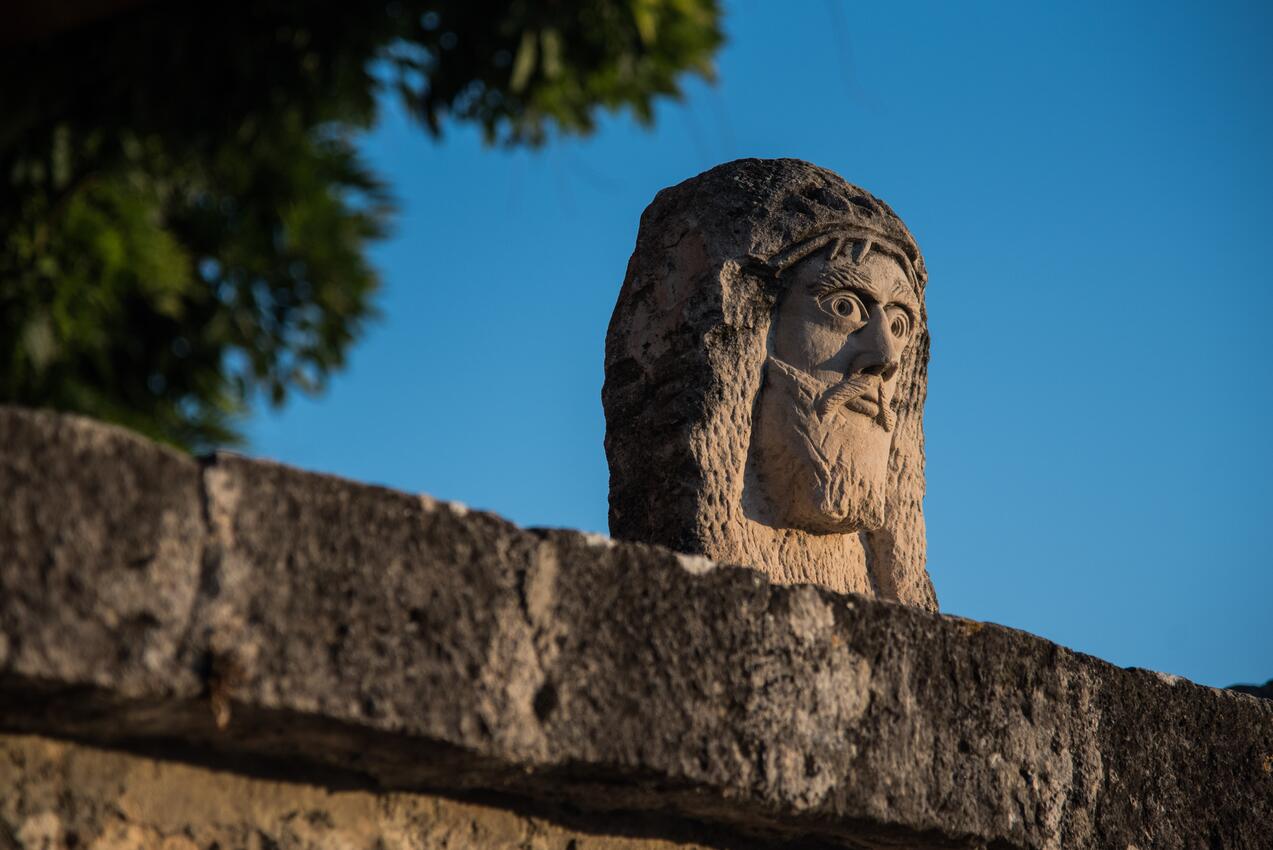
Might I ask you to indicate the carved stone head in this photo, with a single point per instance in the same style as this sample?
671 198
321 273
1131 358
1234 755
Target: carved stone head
765 380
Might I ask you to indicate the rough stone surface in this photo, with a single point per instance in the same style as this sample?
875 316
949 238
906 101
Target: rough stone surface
56 795
1265 690
765 379
100 544
351 636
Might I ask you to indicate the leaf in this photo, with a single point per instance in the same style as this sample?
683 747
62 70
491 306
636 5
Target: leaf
645 17
551 41
523 63
38 341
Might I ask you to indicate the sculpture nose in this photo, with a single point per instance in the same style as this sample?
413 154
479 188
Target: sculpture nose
884 370
880 353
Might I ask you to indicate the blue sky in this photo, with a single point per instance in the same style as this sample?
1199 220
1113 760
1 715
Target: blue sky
1092 186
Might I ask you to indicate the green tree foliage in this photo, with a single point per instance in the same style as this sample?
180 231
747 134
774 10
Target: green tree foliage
183 211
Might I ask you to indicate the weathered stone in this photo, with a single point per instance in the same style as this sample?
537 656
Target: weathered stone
100 544
1265 690
351 635
765 381
56 795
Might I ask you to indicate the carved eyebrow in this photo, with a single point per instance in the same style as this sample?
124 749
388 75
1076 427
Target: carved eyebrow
894 291
900 293
840 277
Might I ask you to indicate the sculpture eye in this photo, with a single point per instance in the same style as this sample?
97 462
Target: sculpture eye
899 323
846 305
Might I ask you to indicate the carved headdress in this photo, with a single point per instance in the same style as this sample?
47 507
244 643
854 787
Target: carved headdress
869 224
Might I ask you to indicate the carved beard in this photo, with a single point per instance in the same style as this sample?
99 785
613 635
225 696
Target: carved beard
825 466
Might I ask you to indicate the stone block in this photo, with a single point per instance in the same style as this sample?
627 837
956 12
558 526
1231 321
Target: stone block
348 636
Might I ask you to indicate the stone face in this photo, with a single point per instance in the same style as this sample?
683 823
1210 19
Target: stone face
765 381
347 636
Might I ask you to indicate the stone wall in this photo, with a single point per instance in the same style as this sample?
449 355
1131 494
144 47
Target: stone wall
249 655
55 794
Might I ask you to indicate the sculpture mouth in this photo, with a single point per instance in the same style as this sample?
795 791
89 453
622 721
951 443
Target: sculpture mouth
873 403
865 405
863 394
844 394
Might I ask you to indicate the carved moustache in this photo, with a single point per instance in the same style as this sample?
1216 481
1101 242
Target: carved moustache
865 394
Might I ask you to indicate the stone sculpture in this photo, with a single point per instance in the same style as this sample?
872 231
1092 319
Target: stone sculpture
765 380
